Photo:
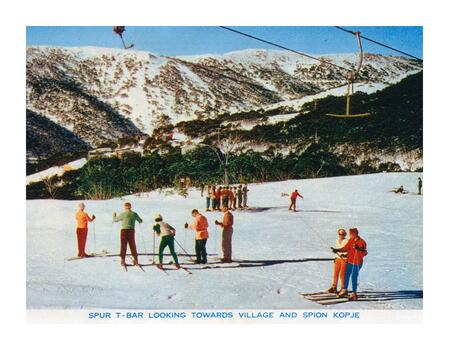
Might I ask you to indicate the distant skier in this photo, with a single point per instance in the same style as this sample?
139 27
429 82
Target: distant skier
208 197
419 186
240 196
356 249
200 225
225 196
127 232
226 238
399 190
202 188
167 234
82 222
295 194
213 197
245 195
218 198
231 198
339 262
234 201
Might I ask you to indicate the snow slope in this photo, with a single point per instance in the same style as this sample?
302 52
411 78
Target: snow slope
282 254
56 170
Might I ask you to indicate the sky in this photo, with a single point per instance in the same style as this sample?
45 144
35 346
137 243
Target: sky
179 41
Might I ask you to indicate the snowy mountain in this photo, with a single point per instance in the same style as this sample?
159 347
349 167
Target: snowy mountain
71 86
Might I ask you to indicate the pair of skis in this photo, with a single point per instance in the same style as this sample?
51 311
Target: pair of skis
325 298
91 255
181 268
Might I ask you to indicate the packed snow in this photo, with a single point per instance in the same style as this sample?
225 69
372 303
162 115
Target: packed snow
281 253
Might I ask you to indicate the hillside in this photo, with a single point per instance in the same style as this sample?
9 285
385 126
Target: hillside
100 96
50 141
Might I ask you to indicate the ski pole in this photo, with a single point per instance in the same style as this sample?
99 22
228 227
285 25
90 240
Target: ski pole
154 246
215 240
188 255
95 240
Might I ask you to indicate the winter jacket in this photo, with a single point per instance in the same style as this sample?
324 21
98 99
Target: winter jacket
295 195
355 256
128 219
163 229
200 225
228 220
339 245
82 219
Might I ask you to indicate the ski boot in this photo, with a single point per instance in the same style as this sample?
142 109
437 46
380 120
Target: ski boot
332 289
159 266
177 266
353 297
343 293
122 262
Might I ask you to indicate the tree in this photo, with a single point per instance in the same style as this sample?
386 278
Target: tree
51 184
224 148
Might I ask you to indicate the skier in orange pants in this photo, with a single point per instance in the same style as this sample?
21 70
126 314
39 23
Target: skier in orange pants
339 262
82 222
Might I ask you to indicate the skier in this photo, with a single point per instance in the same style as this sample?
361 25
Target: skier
218 198
225 196
419 186
231 198
202 188
356 249
200 225
167 234
240 196
82 222
339 262
400 189
208 196
295 194
226 238
245 195
213 198
127 232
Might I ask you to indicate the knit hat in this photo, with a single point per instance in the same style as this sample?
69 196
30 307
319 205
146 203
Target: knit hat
158 217
127 205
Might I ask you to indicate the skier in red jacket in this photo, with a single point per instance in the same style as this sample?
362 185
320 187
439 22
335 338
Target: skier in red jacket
356 249
295 194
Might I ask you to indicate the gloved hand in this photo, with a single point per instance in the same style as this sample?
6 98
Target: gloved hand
186 225
216 222
114 214
334 250
93 217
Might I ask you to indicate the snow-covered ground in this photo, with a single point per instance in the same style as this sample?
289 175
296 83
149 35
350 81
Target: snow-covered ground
281 254
56 170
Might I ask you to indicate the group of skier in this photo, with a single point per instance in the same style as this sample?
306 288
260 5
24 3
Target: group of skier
165 231
401 190
349 254
231 197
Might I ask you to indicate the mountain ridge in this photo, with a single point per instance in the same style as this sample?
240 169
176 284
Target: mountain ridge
103 94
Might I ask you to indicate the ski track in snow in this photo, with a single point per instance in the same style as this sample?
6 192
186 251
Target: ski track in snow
281 254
